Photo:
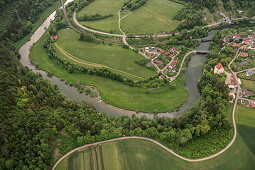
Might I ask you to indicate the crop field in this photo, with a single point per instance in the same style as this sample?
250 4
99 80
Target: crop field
115 58
144 155
154 16
114 92
103 7
141 154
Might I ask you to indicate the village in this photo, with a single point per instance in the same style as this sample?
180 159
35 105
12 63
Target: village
243 67
165 61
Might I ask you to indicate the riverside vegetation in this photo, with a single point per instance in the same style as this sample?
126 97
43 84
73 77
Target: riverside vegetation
34 115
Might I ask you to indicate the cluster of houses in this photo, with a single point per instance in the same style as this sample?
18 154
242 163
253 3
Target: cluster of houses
232 83
153 52
248 103
249 41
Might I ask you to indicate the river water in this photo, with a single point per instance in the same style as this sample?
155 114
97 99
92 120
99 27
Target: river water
191 78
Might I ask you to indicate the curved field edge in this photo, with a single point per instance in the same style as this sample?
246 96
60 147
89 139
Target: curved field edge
113 92
151 156
103 7
155 16
115 58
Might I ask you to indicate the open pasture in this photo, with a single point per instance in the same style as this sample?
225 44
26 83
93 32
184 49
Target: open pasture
115 58
103 7
154 16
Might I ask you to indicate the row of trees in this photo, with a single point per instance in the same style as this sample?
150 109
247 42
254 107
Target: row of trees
133 5
94 17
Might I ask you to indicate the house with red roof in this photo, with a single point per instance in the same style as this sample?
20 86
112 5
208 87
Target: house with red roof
167 53
54 37
236 44
218 69
243 54
159 62
246 42
161 76
237 36
173 65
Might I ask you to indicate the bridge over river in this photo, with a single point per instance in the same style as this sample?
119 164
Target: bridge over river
202 51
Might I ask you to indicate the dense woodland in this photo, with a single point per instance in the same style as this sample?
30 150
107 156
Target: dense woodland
24 14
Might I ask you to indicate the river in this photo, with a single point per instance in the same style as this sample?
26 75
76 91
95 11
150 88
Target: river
191 77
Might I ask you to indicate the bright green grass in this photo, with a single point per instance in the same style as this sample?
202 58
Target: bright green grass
110 156
246 115
111 56
115 93
140 154
103 7
43 16
154 16
248 84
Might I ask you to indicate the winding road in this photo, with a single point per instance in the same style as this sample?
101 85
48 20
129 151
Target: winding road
159 144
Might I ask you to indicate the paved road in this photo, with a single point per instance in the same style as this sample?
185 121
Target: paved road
164 147
245 70
180 69
92 30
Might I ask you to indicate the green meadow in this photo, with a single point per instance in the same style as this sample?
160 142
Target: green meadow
114 92
103 7
154 16
116 58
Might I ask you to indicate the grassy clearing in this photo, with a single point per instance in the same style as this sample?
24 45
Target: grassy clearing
43 16
117 59
113 92
103 7
246 115
154 16
248 84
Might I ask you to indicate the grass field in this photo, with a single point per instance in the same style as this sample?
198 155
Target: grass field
115 58
113 92
144 155
246 115
154 16
103 7
248 84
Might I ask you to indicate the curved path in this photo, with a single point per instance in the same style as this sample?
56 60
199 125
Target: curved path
179 72
164 147
91 30
161 145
